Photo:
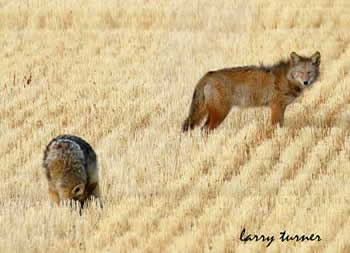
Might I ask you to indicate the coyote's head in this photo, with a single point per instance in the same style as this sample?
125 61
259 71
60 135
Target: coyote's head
304 70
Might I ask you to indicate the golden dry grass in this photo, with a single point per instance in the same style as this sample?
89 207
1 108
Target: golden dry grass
121 75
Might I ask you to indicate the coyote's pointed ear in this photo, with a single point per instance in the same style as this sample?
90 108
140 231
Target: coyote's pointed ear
78 190
295 58
316 58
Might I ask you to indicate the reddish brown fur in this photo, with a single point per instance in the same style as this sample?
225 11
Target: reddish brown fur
276 86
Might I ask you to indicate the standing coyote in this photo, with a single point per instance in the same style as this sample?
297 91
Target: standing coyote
71 169
275 86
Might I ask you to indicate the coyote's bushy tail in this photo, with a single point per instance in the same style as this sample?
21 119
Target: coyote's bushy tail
197 110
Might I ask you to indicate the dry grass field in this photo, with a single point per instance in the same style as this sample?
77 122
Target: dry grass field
121 74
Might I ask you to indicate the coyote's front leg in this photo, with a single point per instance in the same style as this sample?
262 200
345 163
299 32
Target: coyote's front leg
277 112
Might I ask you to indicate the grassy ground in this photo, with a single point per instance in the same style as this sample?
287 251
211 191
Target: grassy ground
121 75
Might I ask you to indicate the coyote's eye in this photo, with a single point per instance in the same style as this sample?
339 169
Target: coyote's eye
78 190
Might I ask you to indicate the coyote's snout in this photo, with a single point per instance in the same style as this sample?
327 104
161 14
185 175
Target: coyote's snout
275 86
